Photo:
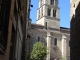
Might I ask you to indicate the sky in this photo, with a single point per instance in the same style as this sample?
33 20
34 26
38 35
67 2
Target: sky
64 12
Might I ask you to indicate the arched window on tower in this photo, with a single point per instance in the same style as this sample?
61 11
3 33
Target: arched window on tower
48 12
52 2
41 3
54 13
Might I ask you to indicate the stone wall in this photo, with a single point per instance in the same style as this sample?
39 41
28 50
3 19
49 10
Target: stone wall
35 33
75 35
55 50
73 6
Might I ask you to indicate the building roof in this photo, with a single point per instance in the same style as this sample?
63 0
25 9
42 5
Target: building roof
62 29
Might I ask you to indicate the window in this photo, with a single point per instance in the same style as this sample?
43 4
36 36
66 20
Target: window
42 11
46 25
54 13
55 41
56 2
39 14
74 5
41 2
52 2
38 39
49 12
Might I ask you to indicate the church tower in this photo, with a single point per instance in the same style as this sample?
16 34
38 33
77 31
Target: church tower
48 13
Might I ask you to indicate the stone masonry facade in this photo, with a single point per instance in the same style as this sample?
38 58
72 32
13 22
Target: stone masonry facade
56 51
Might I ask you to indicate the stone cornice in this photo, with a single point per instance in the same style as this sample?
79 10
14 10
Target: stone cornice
62 29
48 17
52 18
50 6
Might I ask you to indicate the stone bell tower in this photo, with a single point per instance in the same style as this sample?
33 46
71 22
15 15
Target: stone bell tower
48 13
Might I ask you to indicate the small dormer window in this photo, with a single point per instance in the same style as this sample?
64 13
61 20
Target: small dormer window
52 2
54 13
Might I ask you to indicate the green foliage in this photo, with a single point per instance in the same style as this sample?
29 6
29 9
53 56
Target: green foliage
39 51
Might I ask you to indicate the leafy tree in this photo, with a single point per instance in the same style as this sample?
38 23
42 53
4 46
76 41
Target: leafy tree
39 51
